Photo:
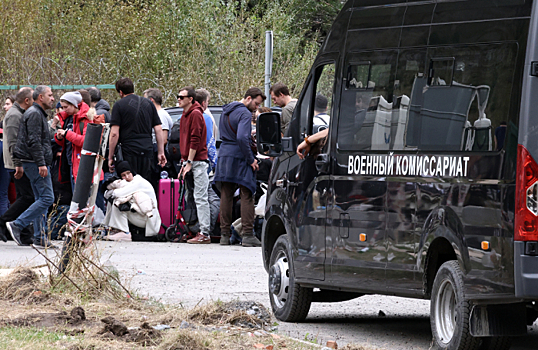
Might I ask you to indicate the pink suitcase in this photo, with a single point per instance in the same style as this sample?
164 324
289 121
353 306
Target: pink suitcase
168 201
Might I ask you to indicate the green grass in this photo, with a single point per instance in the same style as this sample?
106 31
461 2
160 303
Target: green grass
35 339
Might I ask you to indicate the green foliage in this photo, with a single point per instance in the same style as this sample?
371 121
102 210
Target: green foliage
216 44
29 338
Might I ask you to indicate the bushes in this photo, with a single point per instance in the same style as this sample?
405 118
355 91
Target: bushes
215 44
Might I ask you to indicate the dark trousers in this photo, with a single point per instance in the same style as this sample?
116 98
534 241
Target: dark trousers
140 165
226 206
25 198
155 170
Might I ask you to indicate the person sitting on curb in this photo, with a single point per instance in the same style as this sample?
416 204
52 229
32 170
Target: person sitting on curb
137 189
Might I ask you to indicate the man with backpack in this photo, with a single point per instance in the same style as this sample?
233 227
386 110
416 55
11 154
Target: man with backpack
193 147
237 165
133 118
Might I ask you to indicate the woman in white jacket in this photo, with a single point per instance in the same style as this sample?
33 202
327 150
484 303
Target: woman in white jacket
144 211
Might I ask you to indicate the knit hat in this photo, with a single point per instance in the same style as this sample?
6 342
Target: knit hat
122 167
58 105
72 97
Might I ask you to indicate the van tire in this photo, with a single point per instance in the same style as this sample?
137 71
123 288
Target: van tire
450 310
290 302
496 343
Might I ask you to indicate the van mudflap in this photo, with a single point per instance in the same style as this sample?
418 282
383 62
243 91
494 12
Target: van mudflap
498 320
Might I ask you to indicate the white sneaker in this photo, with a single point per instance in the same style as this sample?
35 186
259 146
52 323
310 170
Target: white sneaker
119 237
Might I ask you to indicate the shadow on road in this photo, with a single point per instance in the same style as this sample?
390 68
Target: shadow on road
392 332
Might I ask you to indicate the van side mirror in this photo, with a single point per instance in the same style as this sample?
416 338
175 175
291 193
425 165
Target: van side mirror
268 136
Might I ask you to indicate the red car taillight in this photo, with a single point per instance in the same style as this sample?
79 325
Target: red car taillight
526 218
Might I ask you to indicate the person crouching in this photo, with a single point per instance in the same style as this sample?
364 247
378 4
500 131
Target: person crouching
133 201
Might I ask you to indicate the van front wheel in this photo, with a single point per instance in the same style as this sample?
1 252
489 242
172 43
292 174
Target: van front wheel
289 301
450 309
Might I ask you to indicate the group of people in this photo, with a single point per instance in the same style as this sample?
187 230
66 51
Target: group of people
139 131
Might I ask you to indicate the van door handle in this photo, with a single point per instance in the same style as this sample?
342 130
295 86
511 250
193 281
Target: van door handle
322 163
344 225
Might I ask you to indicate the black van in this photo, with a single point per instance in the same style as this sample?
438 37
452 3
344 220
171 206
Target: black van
426 185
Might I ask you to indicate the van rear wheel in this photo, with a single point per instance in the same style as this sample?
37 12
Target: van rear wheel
450 310
289 301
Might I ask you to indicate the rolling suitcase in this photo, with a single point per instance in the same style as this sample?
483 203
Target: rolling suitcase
168 202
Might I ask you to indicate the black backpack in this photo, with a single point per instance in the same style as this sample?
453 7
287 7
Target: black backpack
173 142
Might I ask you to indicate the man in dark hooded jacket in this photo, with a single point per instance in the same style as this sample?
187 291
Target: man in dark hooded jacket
237 165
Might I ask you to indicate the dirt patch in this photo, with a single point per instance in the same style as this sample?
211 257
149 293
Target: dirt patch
76 317
22 285
113 326
144 335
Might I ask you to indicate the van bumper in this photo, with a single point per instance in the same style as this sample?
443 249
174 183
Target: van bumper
525 273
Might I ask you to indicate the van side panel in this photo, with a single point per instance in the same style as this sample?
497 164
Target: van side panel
390 220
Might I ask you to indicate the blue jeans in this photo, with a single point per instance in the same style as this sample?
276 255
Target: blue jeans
5 179
44 198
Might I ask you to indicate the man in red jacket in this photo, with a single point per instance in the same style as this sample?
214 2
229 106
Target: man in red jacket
193 147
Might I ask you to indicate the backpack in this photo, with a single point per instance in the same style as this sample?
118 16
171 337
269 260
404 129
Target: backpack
188 207
173 142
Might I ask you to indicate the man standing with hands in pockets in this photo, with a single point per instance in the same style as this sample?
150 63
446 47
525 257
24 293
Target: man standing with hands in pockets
193 147
237 165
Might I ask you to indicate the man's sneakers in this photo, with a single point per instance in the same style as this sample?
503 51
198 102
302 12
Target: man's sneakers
119 236
250 241
200 239
43 244
224 239
15 232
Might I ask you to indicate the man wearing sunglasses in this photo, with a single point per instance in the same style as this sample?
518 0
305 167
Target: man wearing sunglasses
193 147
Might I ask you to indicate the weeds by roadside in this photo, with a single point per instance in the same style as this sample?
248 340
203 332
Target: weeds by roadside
89 307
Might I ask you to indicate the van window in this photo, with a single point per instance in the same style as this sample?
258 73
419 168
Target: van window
305 110
316 102
323 98
366 102
463 99
433 99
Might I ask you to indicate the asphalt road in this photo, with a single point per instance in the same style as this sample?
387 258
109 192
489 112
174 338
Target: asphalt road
188 275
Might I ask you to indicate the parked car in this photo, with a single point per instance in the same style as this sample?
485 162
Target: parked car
176 112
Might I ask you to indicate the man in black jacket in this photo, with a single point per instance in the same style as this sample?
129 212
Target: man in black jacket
25 195
33 148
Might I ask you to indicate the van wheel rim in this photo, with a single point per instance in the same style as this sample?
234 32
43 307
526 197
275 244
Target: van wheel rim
445 312
279 281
